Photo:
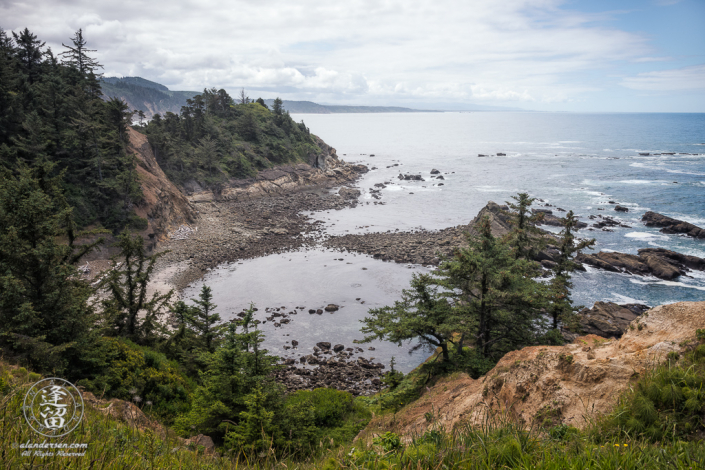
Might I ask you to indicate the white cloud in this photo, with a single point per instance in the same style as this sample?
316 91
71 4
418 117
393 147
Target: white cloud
360 50
686 78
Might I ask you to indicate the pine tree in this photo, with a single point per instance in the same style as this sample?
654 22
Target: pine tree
483 296
526 238
77 56
45 317
204 322
561 306
129 312
29 54
237 367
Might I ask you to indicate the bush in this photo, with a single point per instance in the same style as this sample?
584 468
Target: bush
139 374
667 403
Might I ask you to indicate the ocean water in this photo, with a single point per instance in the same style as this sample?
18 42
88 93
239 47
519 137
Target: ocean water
577 162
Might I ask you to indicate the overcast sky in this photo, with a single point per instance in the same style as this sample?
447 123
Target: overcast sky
566 55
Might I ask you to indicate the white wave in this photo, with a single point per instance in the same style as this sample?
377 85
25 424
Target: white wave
667 283
638 181
667 170
646 236
626 300
491 189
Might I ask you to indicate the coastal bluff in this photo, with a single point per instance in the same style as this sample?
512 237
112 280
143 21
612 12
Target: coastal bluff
565 384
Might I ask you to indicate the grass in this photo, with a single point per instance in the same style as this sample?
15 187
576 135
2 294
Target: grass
614 441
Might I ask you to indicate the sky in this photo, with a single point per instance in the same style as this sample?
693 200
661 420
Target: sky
545 55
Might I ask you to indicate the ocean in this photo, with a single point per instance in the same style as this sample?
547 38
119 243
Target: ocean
577 162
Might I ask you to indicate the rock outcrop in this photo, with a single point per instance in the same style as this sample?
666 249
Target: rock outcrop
658 262
672 226
607 319
548 385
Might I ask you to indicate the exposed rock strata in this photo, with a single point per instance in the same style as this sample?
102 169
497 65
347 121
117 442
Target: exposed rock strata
658 262
164 206
561 384
672 226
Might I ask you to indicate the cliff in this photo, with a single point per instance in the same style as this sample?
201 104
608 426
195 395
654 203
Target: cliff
562 384
164 206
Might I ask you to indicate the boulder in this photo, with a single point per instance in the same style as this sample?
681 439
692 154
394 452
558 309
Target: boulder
606 319
621 209
331 308
435 172
202 440
323 345
349 193
672 226
338 347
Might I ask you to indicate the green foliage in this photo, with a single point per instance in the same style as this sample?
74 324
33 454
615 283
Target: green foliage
53 111
216 138
393 378
235 370
483 294
142 375
560 306
128 310
666 404
388 441
45 319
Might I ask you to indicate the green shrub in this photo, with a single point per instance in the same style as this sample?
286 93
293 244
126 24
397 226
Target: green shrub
667 403
388 441
139 374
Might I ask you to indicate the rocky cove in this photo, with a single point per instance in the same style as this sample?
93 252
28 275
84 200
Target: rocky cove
204 234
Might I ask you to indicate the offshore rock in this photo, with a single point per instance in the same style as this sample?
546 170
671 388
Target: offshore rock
658 262
672 226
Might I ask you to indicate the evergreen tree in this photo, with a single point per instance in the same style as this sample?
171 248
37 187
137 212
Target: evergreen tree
420 314
128 310
526 238
236 368
256 431
77 56
45 318
29 54
482 295
203 320
499 301
561 307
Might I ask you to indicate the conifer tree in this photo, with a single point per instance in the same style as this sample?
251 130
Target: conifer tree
77 56
203 320
128 310
526 238
45 317
237 367
483 294
561 306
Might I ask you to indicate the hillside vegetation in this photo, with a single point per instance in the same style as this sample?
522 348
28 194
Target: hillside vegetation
215 139
144 95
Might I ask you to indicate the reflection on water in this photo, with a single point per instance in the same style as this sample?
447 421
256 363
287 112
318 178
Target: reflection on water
314 279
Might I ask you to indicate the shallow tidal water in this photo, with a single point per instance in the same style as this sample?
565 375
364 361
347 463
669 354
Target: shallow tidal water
578 162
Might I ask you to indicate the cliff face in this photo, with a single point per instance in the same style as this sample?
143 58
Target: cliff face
164 206
563 384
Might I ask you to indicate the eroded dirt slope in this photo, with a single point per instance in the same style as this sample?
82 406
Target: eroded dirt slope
563 384
164 205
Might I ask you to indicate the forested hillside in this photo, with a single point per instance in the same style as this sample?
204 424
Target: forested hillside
216 138
143 95
52 115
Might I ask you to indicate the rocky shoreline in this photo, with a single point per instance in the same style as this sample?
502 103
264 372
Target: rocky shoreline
264 216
